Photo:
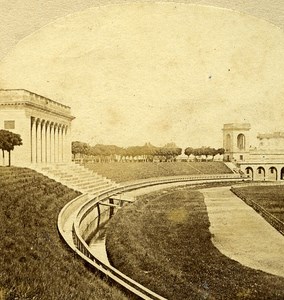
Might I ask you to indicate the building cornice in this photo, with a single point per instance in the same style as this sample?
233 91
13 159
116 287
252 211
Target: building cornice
236 126
21 97
27 104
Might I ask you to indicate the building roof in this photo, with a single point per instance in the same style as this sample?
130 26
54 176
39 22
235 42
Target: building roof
274 135
237 126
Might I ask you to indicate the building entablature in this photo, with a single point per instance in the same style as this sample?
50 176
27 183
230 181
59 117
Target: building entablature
47 118
18 99
266 152
258 163
237 126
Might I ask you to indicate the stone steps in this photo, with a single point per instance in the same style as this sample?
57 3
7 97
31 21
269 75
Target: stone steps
92 184
96 190
75 180
76 177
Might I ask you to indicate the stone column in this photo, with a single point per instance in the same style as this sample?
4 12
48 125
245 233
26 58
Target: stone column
33 140
43 142
52 142
55 142
278 170
2 157
59 143
47 142
62 142
38 141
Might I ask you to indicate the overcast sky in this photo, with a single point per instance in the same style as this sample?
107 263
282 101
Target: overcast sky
156 73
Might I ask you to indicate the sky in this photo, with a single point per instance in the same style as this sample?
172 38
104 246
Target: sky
155 72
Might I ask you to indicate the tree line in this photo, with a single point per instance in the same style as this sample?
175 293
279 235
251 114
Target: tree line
109 153
148 152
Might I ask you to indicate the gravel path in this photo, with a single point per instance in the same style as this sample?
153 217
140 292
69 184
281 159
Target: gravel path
242 234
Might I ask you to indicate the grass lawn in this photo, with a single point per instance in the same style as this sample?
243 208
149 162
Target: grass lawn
34 262
270 198
121 172
163 241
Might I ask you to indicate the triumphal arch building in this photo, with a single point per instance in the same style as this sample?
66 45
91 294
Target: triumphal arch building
44 126
265 161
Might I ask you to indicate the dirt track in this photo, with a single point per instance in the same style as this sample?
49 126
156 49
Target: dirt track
242 234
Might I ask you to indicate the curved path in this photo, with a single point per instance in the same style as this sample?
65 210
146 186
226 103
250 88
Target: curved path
97 244
242 234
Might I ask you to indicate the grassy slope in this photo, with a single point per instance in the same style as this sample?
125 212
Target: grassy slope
270 198
34 262
121 172
166 246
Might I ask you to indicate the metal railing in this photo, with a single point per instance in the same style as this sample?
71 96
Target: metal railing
276 223
80 208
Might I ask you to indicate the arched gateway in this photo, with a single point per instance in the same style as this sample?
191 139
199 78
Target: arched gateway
43 124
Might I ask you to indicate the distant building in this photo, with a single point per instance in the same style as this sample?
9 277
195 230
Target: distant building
44 126
263 162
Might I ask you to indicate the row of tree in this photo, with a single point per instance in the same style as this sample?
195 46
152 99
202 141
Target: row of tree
203 151
8 140
106 153
147 152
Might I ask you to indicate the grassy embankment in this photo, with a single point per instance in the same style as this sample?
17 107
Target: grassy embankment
121 172
166 245
34 262
270 198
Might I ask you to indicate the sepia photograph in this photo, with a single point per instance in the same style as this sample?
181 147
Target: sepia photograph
141 149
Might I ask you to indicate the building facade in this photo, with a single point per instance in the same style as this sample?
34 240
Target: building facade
262 162
43 124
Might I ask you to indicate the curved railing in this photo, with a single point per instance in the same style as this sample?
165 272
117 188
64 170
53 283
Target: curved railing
75 218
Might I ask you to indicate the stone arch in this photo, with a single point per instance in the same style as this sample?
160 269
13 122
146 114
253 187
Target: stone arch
249 172
259 174
241 141
272 174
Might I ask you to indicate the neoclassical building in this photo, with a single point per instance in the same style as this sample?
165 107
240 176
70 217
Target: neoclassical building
44 126
262 162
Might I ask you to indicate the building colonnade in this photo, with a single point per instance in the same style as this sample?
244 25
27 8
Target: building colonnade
49 141
261 172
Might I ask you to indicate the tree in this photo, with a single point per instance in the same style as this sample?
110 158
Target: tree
221 151
188 151
197 152
206 151
8 140
80 148
168 154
